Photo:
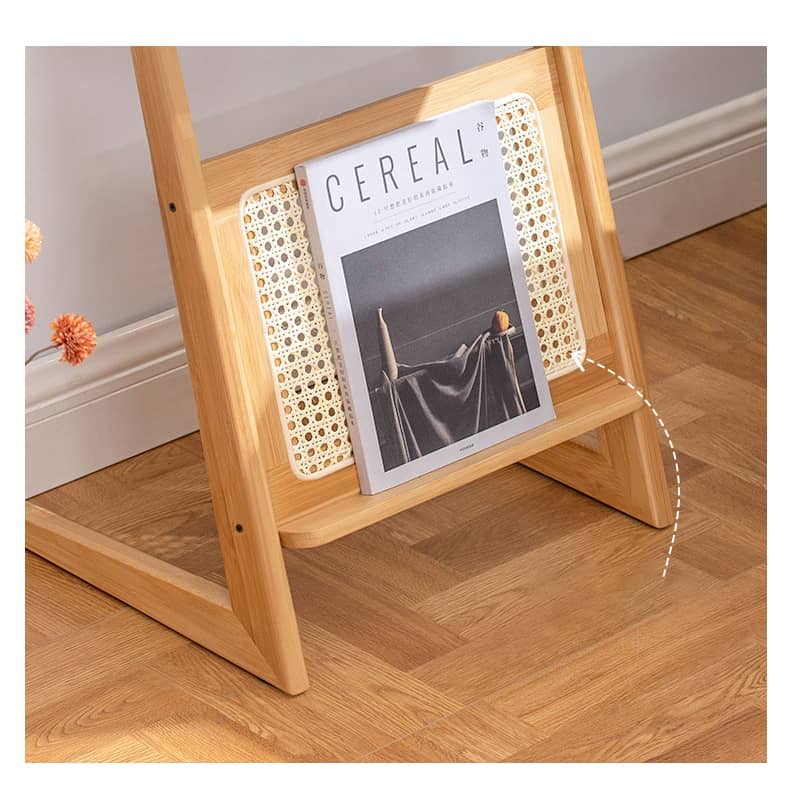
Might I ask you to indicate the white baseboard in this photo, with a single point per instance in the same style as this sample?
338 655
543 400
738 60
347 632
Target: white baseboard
134 393
697 171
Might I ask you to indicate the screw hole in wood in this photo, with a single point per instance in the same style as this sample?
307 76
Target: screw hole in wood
171 206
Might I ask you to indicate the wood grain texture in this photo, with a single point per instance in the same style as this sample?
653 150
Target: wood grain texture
313 512
258 503
350 512
541 627
628 474
185 602
221 337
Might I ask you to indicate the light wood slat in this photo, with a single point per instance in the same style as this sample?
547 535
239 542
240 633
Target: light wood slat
617 475
585 148
345 515
478 733
741 738
292 498
193 606
229 175
221 343
709 629
56 604
642 729
632 479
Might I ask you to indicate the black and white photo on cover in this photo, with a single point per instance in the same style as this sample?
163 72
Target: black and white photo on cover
439 332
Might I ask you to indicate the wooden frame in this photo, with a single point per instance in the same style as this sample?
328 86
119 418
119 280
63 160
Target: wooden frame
258 503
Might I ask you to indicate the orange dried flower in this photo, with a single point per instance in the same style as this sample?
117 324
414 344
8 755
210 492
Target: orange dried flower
75 335
33 241
30 315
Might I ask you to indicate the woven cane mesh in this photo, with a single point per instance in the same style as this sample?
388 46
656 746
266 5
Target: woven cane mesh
309 399
298 346
540 233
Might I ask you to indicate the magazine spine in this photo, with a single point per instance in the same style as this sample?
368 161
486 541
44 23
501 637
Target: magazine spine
319 265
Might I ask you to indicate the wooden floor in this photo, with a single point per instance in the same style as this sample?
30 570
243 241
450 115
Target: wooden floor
513 619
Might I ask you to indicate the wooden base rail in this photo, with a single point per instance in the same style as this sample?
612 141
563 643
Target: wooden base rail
193 606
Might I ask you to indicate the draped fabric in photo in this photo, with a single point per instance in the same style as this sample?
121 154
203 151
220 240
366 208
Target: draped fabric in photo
432 405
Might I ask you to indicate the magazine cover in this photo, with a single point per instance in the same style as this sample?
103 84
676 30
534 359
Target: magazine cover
420 269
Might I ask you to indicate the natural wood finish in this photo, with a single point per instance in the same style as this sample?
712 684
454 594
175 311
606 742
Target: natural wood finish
193 606
257 502
229 176
512 618
315 512
626 471
353 512
598 217
221 341
629 474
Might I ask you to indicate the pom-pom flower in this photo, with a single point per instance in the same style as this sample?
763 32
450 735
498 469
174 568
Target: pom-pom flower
72 333
30 315
33 241
75 335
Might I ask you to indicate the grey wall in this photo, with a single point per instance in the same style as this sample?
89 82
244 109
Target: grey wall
89 183
637 89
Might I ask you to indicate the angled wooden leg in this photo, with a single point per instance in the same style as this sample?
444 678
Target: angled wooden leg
625 472
252 622
224 365
193 606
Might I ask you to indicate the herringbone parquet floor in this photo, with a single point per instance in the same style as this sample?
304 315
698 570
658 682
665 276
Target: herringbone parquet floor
513 619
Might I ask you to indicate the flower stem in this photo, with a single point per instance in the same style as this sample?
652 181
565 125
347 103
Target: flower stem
37 353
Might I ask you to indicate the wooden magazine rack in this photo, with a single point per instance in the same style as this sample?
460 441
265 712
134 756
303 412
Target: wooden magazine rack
259 504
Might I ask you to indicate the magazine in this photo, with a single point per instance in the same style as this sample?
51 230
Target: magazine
428 309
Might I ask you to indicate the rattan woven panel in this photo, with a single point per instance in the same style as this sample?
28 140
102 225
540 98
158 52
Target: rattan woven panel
298 345
540 234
